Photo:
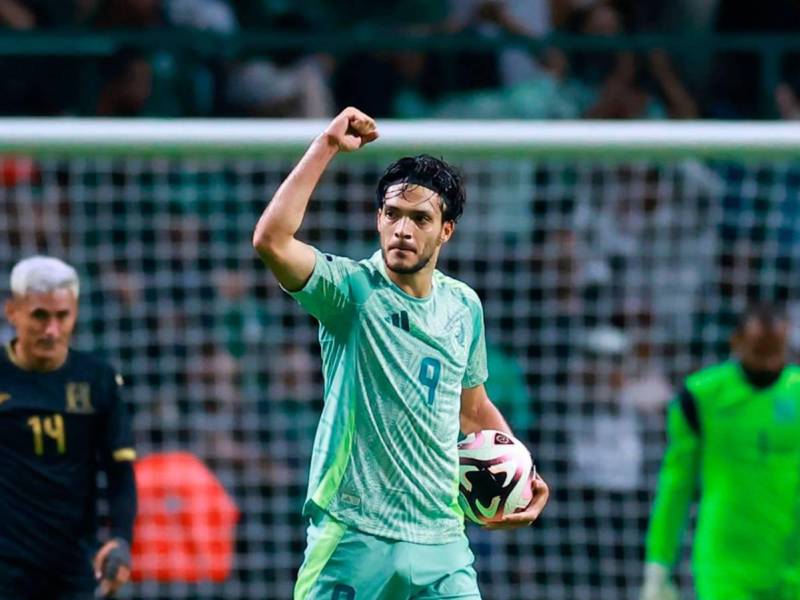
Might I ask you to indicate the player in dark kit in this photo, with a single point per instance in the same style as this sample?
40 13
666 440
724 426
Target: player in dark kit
61 420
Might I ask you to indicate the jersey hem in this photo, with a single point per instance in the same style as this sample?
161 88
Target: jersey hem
382 531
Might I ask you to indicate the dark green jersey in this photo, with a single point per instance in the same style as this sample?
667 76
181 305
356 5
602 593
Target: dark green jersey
739 446
56 430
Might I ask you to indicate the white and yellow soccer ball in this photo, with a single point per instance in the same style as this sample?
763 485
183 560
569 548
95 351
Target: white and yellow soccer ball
495 473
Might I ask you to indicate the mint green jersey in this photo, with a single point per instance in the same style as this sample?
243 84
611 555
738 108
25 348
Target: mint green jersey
385 459
739 447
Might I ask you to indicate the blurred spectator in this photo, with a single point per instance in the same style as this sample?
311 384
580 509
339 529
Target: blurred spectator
395 16
128 85
787 102
736 89
656 247
399 83
203 15
46 14
372 80
605 446
287 83
143 81
221 420
292 407
259 88
509 83
193 85
36 224
289 414
647 387
130 14
244 319
592 84
224 428
15 14
41 86
624 86
607 453
525 18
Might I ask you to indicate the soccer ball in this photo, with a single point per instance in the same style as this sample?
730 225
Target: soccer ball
495 472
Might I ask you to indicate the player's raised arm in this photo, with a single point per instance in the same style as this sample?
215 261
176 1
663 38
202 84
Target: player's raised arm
291 260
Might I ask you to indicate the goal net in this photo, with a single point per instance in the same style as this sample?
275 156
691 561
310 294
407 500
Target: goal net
611 260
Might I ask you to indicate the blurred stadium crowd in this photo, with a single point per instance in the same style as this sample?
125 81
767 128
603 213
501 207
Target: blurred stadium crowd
603 286
467 77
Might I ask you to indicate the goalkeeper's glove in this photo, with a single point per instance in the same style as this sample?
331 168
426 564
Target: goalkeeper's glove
112 566
657 583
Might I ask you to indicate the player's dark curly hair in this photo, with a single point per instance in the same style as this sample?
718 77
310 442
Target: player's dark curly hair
430 172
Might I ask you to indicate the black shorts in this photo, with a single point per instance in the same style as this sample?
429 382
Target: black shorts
22 581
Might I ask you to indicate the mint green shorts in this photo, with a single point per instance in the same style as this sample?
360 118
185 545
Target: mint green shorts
342 563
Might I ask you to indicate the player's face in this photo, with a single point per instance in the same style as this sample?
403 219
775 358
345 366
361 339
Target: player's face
411 228
762 349
44 324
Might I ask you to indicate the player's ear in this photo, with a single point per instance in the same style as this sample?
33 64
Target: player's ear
9 310
448 227
735 341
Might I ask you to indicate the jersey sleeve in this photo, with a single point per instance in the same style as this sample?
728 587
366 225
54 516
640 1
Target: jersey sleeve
116 434
117 455
677 482
328 292
476 372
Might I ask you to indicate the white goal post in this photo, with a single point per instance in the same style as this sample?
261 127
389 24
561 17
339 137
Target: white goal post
624 139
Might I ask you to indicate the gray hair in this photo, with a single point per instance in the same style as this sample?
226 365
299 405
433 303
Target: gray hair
43 274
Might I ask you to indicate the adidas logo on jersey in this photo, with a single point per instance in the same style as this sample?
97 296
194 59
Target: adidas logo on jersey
399 320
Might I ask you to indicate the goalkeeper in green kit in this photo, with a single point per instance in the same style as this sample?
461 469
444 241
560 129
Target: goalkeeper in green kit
734 440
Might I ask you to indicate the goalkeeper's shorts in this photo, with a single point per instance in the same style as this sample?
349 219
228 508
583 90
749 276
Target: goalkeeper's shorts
342 563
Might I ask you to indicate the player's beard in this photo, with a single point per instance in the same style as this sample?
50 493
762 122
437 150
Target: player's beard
415 268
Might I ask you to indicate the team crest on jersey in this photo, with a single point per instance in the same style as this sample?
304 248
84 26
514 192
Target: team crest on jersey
461 335
79 399
456 325
785 409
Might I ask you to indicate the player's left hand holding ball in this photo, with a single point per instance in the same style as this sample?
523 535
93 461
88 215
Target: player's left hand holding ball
498 484
540 493
112 566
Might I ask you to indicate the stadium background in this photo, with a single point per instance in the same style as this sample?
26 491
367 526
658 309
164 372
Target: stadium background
604 280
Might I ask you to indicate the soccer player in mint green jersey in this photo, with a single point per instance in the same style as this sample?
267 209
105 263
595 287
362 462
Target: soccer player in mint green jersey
735 439
404 359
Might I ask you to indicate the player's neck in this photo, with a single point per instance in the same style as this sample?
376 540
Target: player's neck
761 379
28 362
417 284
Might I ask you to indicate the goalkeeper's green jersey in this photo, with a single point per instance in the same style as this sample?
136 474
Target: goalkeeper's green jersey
385 459
739 446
